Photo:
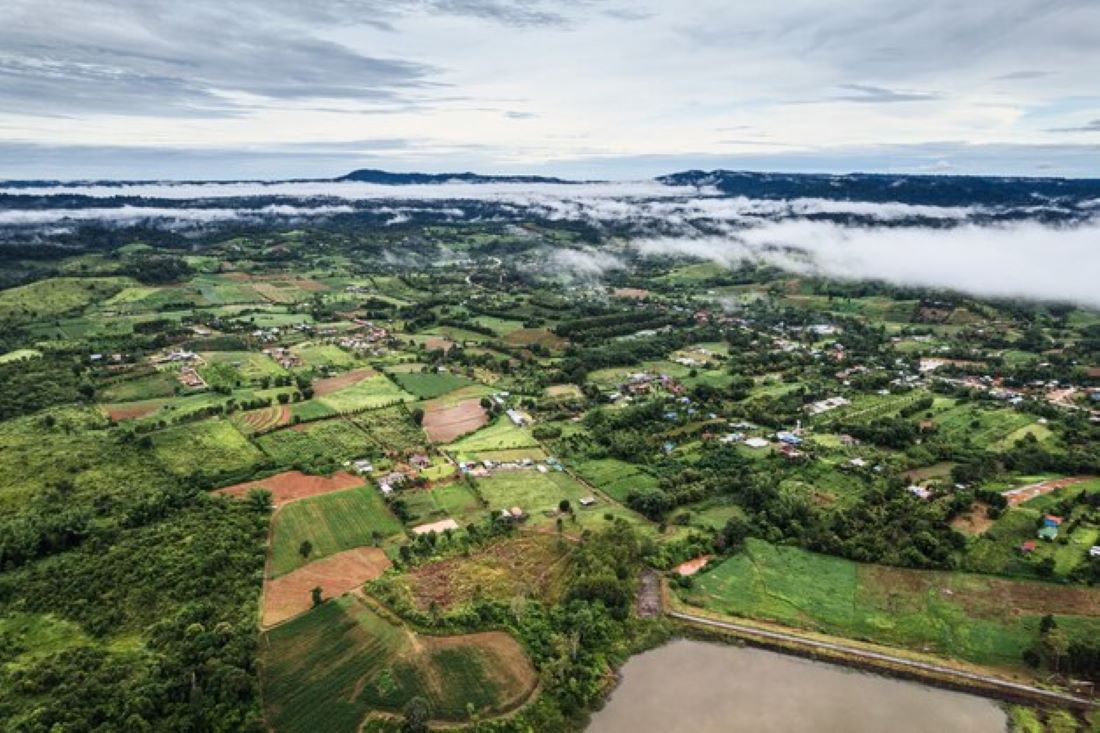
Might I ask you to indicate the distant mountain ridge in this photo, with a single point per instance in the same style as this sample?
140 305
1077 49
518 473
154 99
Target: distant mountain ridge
935 190
371 175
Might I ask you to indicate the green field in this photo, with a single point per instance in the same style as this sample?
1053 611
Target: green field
972 617
538 493
428 385
453 500
58 296
212 447
332 523
376 391
334 440
19 355
498 435
326 670
323 355
616 478
985 427
160 384
249 365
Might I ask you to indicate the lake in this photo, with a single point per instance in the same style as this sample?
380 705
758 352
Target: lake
696 687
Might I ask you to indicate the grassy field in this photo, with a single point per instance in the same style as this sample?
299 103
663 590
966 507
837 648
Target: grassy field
616 478
57 296
375 391
454 500
248 364
499 435
19 355
976 618
320 355
331 522
337 440
429 385
213 447
329 668
985 427
161 384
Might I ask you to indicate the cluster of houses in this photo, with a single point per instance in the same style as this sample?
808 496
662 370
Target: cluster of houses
485 467
181 356
643 383
284 357
830 403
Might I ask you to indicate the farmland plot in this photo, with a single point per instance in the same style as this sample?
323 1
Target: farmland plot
329 668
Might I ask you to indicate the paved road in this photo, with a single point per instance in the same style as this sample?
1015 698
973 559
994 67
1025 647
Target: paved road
968 679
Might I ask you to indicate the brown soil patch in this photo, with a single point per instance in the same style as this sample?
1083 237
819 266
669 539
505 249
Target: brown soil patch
975 521
530 566
130 412
647 603
290 595
528 336
1025 493
438 342
982 597
635 293
323 387
293 485
444 424
691 567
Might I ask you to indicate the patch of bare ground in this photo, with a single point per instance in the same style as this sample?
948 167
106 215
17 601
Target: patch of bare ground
292 594
293 485
647 603
445 423
975 521
323 387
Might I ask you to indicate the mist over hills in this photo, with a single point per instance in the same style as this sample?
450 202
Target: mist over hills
1018 237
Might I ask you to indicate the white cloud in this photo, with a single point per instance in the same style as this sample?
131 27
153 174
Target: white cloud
1024 260
162 215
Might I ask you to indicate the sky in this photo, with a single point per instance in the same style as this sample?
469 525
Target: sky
620 89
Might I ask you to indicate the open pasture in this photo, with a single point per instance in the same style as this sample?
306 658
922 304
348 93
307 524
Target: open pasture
976 618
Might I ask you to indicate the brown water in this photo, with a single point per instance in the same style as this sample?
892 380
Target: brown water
695 687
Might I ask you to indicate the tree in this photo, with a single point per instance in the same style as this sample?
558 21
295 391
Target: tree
417 416
417 713
315 594
1047 624
564 507
259 500
305 549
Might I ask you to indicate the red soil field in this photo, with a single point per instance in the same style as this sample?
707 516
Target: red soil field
289 595
444 424
323 387
293 485
130 412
